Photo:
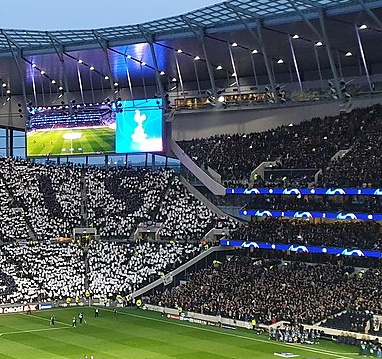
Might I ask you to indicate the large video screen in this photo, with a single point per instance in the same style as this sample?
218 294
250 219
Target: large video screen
139 126
60 132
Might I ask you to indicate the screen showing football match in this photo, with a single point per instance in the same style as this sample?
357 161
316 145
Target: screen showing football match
59 132
128 127
140 126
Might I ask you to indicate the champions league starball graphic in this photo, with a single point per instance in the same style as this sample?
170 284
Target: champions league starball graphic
139 126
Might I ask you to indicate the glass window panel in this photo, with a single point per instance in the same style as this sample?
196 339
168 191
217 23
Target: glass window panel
96 160
77 160
18 142
117 160
19 152
3 142
18 133
137 160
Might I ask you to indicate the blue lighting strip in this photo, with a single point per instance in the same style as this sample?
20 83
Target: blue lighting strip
302 249
307 191
305 214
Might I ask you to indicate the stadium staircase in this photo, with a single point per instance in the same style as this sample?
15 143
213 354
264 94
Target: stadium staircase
214 186
202 198
169 278
339 154
83 210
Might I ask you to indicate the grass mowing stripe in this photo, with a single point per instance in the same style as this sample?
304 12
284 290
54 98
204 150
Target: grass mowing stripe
297 346
32 330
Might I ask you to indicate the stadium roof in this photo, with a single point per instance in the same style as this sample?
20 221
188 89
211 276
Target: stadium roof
36 57
217 18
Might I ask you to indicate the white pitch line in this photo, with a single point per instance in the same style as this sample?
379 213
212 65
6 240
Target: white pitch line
297 346
32 330
44 319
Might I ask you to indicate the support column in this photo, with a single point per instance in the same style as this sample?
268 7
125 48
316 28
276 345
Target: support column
104 47
330 56
150 40
199 33
59 49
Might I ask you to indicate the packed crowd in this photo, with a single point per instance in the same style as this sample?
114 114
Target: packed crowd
121 268
309 145
354 321
13 222
50 196
40 271
343 234
46 270
244 288
355 204
185 217
50 201
119 199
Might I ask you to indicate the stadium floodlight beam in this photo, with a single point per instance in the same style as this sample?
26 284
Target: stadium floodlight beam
295 62
361 50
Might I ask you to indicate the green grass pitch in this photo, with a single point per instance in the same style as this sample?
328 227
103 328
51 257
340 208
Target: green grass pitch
138 334
85 141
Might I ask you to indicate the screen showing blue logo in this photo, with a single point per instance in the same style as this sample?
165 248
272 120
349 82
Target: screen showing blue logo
315 214
298 248
307 191
139 126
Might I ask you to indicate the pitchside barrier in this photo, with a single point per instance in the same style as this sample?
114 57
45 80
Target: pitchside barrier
210 320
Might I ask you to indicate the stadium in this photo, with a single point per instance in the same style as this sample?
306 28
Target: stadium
206 185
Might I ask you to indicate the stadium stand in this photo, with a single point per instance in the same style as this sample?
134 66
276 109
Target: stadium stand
121 268
309 145
244 288
40 271
117 201
344 234
316 203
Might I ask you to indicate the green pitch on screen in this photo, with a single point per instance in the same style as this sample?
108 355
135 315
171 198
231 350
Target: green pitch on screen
67 142
137 334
